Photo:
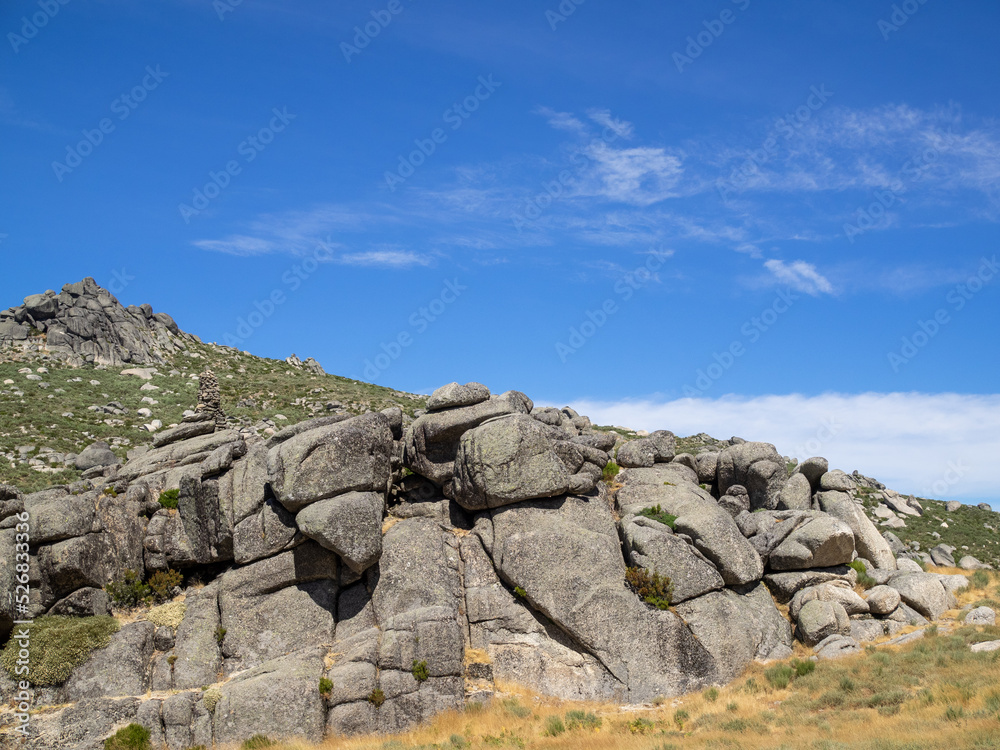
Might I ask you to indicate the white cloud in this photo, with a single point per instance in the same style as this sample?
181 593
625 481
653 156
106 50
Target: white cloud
620 128
238 244
799 275
932 445
562 120
639 176
386 258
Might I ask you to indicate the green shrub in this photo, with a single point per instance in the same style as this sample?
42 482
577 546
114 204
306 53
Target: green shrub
220 634
325 687
58 645
162 582
611 470
657 514
680 716
553 727
257 742
846 685
582 720
520 592
732 707
457 740
651 587
515 709
168 498
802 668
954 713
376 697
711 695
419 670
779 676
865 581
129 591
132 737
640 725
979 580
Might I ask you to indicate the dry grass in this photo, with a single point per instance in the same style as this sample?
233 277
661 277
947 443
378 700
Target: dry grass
933 694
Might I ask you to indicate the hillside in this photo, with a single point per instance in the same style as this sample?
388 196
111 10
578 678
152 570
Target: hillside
233 546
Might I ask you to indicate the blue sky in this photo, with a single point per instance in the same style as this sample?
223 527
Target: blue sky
724 216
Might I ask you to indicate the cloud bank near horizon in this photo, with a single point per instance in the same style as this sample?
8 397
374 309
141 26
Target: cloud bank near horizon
944 446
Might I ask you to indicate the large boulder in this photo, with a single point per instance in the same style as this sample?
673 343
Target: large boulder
654 546
431 442
95 454
821 542
712 529
832 591
738 628
507 460
796 494
349 524
352 455
637 454
273 606
121 668
819 619
565 555
923 592
454 395
279 698
882 600
867 540
756 466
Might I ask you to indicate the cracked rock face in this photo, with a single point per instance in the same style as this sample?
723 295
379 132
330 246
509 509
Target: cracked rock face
499 556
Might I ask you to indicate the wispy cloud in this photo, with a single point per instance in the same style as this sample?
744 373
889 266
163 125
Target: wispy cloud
799 275
386 259
933 445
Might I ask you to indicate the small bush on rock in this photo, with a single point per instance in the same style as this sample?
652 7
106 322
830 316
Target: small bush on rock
865 581
657 514
325 687
376 697
163 581
419 670
58 645
132 737
611 470
168 499
129 591
651 587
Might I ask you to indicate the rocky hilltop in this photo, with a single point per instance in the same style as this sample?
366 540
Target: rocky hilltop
84 323
356 573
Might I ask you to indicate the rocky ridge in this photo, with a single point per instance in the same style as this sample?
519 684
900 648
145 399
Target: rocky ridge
413 563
